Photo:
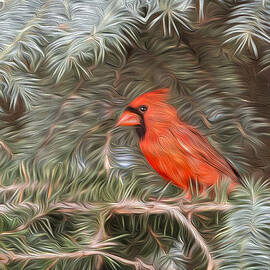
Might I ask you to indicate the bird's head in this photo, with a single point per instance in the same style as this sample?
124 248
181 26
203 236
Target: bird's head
149 110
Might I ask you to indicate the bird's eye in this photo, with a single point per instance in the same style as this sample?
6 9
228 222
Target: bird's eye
143 108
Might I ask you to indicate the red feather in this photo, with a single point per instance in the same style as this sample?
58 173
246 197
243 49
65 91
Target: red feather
176 150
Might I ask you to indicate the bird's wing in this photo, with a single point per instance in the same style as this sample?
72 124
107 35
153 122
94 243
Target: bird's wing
197 147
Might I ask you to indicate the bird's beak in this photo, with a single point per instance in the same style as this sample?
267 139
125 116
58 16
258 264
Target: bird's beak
128 119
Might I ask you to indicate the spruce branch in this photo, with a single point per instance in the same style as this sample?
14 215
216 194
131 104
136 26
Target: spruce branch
170 13
140 208
248 21
23 32
245 232
20 46
130 207
265 61
18 85
112 27
51 129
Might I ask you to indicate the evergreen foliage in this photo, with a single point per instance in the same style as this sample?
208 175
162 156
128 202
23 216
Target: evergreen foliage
75 191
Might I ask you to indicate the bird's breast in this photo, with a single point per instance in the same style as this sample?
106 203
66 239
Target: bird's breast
171 166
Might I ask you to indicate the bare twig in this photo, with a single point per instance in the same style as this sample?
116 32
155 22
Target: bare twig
6 148
204 207
31 186
155 236
25 174
14 187
205 120
240 127
26 182
99 237
124 207
106 155
52 264
10 256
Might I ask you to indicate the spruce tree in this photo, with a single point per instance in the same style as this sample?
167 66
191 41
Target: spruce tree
76 193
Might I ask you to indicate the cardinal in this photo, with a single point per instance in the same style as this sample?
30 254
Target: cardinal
175 149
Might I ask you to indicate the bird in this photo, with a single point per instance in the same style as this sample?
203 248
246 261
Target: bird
176 150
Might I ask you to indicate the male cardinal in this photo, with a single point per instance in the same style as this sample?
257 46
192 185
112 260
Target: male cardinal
176 150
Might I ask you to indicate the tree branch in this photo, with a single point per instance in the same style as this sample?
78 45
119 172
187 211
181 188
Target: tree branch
174 211
130 207
10 256
124 207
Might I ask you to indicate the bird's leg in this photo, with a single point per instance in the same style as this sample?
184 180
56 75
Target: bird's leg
188 195
203 191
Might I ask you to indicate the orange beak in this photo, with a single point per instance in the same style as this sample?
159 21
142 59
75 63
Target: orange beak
128 119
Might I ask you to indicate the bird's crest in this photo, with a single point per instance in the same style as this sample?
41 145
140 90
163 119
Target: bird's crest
159 95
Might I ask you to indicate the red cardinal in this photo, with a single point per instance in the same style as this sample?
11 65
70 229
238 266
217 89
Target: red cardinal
176 150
